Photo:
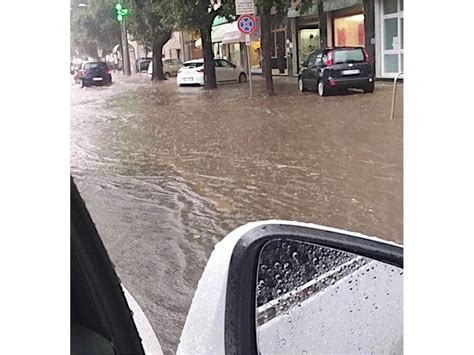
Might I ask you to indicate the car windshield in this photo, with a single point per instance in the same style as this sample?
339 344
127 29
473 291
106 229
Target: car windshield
348 56
171 155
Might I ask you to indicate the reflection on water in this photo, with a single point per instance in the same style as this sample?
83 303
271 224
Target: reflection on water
166 172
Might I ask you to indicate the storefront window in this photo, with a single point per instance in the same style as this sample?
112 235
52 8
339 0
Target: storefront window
308 41
392 36
401 33
234 53
391 33
391 63
349 31
389 7
278 42
255 60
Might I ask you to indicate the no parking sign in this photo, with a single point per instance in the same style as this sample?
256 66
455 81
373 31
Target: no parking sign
246 24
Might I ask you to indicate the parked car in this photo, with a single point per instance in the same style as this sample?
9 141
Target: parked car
142 63
170 67
325 291
192 72
332 70
94 73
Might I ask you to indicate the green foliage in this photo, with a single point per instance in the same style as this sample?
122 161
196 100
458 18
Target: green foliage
94 26
148 19
193 15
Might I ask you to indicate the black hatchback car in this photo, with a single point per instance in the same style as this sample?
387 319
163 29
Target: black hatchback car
95 73
334 69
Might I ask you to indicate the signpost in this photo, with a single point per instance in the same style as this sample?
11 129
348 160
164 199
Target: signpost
247 25
244 7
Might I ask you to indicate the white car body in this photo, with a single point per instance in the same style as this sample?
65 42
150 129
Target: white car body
192 72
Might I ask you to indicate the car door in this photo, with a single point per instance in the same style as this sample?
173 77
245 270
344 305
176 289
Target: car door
176 66
311 71
220 71
230 70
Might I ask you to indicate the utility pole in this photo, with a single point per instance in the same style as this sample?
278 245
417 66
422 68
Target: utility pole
122 13
126 55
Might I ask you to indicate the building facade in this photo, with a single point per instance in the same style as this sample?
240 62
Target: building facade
376 25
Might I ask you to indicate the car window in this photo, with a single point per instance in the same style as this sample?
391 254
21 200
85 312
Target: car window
226 64
312 59
319 59
348 56
102 66
193 65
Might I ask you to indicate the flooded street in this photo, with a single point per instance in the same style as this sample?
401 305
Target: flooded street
167 172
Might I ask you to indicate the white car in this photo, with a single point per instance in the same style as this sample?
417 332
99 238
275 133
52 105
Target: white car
192 72
170 67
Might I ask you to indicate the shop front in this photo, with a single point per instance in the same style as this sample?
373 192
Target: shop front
345 23
229 43
389 32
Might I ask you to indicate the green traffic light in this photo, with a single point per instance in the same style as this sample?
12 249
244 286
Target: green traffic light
119 17
118 7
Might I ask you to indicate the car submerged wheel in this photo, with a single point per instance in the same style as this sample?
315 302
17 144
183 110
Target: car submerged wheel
242 78
301 85
167 75
322 89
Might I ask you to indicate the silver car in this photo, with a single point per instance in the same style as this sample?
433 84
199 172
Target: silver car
170 67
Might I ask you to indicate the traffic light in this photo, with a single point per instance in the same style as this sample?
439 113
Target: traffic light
121 12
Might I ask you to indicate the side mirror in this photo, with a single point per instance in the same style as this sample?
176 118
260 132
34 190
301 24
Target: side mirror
279 287
303 63
295 289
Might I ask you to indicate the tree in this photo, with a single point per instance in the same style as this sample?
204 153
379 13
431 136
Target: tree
151 22
94 26
264 10
199 15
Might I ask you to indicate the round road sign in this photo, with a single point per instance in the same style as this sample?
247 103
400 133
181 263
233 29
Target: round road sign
246 24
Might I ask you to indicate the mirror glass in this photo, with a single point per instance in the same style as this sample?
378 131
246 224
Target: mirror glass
318 300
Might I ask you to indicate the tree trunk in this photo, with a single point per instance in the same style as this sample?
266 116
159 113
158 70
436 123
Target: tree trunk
158 43
266 50
210 81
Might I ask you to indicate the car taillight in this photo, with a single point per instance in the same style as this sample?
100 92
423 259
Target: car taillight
200 70
328 60
366 55
109 71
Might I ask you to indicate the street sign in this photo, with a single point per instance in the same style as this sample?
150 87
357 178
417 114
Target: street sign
246 24
244 7
247 40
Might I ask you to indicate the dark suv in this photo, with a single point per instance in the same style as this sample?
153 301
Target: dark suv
95 73
333 69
